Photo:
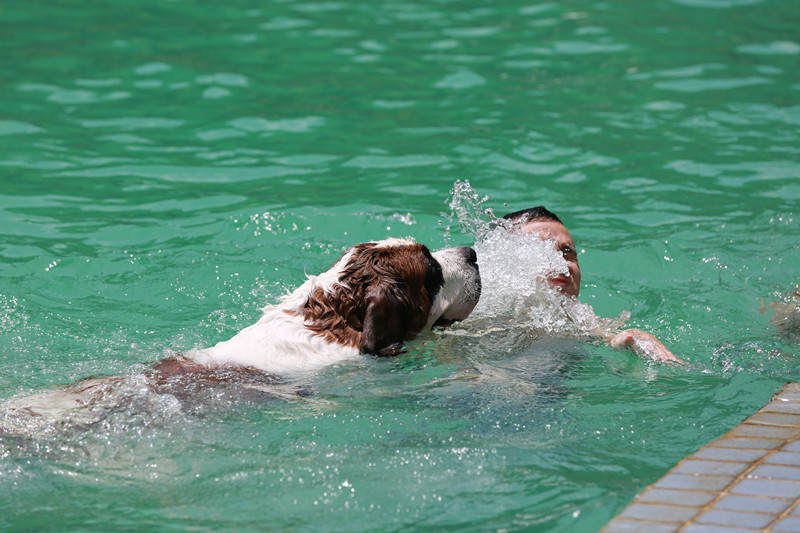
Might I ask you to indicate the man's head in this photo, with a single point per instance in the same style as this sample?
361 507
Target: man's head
546 225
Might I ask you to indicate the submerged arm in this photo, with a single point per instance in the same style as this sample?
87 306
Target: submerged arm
641 343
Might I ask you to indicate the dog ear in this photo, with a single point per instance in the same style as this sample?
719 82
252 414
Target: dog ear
385 325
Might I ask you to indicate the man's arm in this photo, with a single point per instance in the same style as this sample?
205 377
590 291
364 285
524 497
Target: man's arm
642 344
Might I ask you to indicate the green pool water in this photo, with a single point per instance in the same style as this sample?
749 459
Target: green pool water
169 167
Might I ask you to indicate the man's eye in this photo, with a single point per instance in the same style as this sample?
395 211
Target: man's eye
569 252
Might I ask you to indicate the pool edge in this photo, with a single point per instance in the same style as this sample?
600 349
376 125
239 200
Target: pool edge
746 480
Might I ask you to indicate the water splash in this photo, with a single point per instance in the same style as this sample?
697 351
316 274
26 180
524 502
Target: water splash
468 212
514 270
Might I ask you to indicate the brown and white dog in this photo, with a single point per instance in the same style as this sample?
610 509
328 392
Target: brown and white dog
374 298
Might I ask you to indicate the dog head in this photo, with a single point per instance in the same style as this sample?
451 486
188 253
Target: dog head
380 294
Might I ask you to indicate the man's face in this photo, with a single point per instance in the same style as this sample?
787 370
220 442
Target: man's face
548 229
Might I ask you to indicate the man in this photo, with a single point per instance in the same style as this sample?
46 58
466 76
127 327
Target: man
786 315
546 225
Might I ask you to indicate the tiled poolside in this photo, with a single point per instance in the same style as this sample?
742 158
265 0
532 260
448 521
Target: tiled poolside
747 480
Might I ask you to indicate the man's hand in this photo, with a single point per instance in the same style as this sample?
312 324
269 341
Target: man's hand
644 344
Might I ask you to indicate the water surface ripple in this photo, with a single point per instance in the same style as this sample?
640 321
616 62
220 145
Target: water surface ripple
170 167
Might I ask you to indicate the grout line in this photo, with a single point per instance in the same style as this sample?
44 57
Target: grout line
781 516
724 492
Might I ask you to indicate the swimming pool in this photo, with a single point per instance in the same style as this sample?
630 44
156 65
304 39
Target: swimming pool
170 167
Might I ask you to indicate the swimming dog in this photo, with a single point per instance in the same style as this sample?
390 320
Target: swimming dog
374 298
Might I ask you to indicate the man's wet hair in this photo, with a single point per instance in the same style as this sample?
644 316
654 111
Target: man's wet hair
532 214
